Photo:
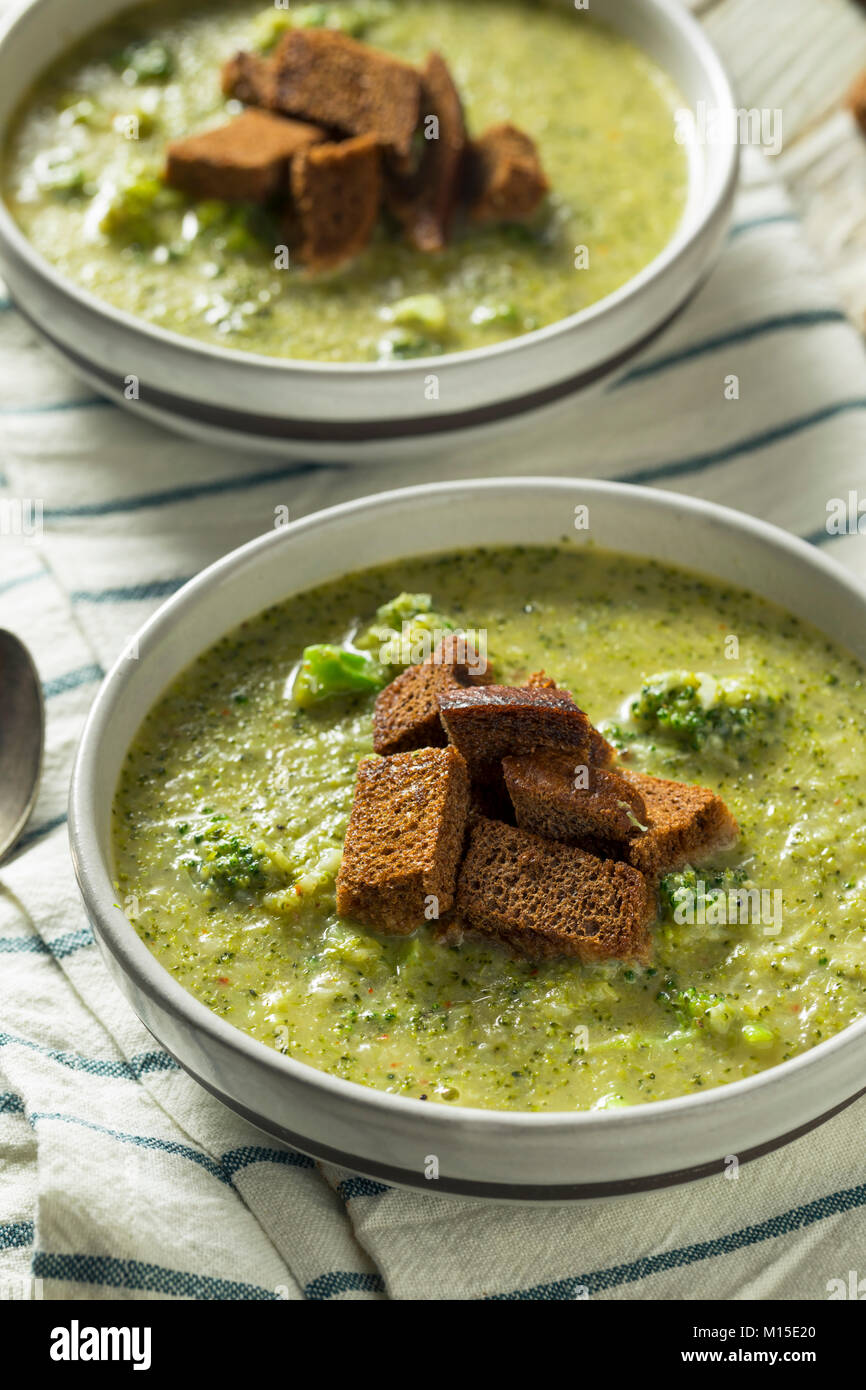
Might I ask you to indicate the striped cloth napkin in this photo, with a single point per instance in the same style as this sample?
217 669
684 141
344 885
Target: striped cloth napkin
119 1177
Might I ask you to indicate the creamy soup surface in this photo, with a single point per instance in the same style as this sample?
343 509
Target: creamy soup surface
233 803
82 176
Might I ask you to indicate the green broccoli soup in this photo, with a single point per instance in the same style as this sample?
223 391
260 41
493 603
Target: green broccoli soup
574 203
232 807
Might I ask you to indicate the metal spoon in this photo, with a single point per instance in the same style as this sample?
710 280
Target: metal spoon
22 736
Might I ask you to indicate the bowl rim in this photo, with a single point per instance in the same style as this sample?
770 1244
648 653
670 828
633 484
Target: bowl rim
670 13
151 978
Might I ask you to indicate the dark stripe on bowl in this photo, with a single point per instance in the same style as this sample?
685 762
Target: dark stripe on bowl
346 431
511 1192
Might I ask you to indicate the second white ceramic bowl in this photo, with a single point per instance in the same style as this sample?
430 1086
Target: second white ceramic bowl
324 410
484 1153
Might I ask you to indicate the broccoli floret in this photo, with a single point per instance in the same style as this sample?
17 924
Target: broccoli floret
269 26
132 216
683 886
426 312
75 109
235 865
403 629
616 734
328 670
147 61
61 174
403 342
227 859
700 1007
703 713
758 1035
403 632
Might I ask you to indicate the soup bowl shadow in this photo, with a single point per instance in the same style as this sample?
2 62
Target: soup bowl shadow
354 412
502 1155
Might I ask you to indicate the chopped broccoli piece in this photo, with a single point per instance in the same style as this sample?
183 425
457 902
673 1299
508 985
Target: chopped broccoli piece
354 20
402 608
616 734
702 713
402 342
234 865
59 172
328 670
211 212
683 886
132 216
757 1035
237 234
148 61
403 630
76 109
700 1007
310 17
424 311
137 124
228 860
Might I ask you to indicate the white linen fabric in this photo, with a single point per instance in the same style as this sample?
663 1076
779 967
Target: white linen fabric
119 1176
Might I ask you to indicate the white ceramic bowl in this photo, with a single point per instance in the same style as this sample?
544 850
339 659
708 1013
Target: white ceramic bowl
323 410
485 1153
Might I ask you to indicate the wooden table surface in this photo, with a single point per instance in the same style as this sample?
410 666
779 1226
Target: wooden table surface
800 56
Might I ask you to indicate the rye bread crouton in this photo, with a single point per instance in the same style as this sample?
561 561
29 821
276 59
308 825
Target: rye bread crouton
337 189
560 799
404 839
332 80
425 203
460 651
505 179
489 722
406 714
685 824
249 78
543 899
601 753
246 160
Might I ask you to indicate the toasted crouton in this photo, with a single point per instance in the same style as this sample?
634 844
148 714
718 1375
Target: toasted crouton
685 824
544 899
489 722
404 839
335 81
425 203
601 753
505 177
249 78
337 189
469 660
407 711
406 714
246 160
561 799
